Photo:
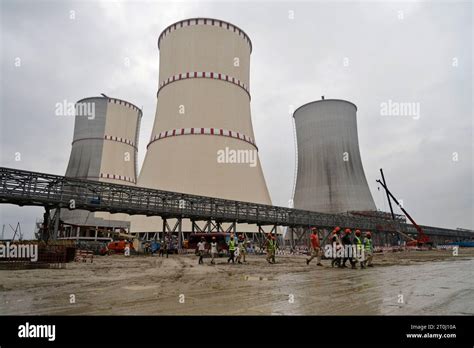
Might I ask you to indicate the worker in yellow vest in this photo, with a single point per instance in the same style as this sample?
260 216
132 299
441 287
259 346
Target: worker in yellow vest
231 245
359 248
271 246
368 250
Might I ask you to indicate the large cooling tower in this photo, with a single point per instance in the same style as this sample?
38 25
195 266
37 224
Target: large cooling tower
330 177
203 112
104 148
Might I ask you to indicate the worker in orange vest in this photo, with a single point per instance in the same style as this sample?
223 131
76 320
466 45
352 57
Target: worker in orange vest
315 247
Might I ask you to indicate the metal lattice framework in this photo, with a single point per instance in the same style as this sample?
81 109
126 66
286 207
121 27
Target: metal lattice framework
22 187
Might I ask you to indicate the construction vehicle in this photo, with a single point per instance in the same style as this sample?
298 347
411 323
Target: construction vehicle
421 239
116 247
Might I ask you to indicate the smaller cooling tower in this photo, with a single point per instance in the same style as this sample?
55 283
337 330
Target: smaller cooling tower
330 177
104 148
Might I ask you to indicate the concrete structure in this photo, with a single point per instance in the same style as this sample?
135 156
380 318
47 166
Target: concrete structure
104 148
330 177
203 123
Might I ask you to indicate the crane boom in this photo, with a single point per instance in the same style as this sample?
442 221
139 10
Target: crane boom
422 237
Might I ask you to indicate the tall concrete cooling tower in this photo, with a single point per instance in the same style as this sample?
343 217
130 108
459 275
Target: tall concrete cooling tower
104 148
330 177
202 122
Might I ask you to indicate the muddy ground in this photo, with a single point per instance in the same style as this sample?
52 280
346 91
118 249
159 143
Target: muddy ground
404 283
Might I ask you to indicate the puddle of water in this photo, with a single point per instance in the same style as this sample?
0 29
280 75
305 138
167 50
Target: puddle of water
139 287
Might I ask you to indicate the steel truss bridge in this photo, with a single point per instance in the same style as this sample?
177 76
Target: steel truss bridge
26 188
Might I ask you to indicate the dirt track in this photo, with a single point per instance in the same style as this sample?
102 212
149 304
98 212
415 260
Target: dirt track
433 282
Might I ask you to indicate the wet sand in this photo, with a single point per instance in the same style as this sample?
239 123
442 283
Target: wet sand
405 283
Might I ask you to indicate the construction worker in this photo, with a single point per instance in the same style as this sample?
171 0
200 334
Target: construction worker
347 244
169 246
163 248
368 250
270 249
237 254
213 250
231 244
359 249
146 248
315 247
336 246
274 248
201 249
242 247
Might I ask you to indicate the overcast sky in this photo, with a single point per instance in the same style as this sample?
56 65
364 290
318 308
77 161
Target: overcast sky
365 52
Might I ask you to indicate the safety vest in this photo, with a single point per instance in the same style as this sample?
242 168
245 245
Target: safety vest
231 245
358 241
368 244
271 245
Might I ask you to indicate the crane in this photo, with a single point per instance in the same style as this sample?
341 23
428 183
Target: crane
422 238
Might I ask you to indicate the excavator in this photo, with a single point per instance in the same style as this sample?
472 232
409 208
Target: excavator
422 239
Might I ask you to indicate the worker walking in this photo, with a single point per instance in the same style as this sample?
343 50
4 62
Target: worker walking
242 247
163 248
315 247
359 249
347 245
201 249
237 254
368 250
336 246
167 246
147 248
231 245
213 250
271 246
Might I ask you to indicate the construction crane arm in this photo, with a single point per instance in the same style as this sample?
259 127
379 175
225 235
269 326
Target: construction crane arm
422 237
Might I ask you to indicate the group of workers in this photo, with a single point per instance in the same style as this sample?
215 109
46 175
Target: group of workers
350 247
163 247
237 249
345 246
